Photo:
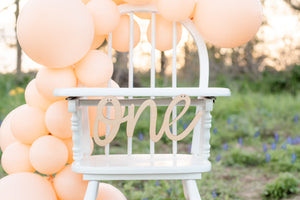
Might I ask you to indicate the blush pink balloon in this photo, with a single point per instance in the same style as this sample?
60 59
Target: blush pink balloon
138 1
48 154
58 120
229 23
15 159
28 124
95 69
69 185
55 33
109 192
120 36
106 15
6 135
48 79
98 41
26 186
34 98
164 33
176 10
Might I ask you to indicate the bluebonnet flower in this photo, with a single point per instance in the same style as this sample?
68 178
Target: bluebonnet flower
157 183
218 158
283 146
241 141
268 157
225 146
215 131
169 190
289 140
265 147
273 146
294 157
185 125
0 122
180 121
214 194
296 118
190 148
229 121
276 137
141 136
296 140
257 134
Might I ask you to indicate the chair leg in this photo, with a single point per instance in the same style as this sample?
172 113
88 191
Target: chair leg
92 190
190 190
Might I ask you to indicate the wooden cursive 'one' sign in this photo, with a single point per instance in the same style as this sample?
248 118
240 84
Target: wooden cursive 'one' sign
133 117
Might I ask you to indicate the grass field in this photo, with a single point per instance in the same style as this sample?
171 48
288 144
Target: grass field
255 137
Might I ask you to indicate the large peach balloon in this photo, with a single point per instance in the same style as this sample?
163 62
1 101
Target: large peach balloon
34 98
15 159
106 15
48 154
28 124
69 185
176 10
164 33
26 186
120 36
47 79
138 1
118 2
58 120
98 41
229 23
109 192
6 135
55 33
95 69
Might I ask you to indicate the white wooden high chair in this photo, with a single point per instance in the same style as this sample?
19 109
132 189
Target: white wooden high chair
152 166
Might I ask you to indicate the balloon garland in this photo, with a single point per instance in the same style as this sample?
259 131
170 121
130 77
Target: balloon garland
62 36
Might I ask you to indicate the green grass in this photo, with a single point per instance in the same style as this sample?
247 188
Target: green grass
242 125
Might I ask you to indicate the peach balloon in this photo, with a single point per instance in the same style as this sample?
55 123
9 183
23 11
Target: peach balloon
6 135
69 144
55 33
120 36
48 154
118 2
138 1
26 186
47 79
106 15
228 23
34 98
58 120
109 192
176 10
15 159
69 185
164 33
95 69
28 124
85 1
98 41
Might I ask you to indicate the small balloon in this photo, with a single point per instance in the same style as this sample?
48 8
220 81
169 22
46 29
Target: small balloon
120 36
106 15
48 154
55 33
176 10
95 69
28 124
69 185
15 159
58 119
164 33
26 186
34 98
48 79
98 41
229 23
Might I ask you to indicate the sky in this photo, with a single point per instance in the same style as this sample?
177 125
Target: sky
281 36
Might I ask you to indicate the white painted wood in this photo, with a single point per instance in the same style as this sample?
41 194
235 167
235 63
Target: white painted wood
92 190
191 190
139 92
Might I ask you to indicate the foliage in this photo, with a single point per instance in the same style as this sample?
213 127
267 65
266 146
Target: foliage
244 158
285 185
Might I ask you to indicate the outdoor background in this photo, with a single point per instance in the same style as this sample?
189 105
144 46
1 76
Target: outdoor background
255 135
